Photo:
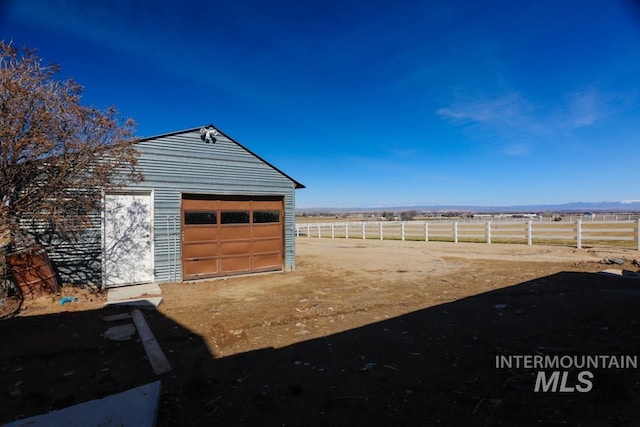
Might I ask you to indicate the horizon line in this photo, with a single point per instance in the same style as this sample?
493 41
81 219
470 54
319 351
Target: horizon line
567 205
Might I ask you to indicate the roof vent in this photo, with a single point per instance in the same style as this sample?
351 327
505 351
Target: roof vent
208 134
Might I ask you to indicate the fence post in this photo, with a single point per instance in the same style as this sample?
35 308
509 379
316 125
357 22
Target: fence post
638 234
529 233
455 231
363 232
346 230
426 231
380 226
579 233
488 231
333 231
297 231
308 230
319 233
402 230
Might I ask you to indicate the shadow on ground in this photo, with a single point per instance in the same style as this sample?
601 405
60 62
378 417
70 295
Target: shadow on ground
433 366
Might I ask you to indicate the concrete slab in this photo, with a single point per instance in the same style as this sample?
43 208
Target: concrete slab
135 291
136 407
121 332
623 273
150 303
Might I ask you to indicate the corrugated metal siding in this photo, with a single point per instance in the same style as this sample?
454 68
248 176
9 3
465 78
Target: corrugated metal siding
290 230
183 163
77 258
80 262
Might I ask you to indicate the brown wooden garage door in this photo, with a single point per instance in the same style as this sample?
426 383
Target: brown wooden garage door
224 236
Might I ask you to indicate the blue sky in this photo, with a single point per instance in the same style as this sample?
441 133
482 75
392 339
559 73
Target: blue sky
373 103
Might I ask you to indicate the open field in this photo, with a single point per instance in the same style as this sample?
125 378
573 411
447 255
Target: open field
364 332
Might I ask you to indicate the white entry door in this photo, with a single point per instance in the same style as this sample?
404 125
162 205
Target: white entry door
127 239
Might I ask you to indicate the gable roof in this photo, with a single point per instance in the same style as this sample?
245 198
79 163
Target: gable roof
297 184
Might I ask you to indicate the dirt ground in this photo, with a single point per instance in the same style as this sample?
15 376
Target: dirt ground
362 333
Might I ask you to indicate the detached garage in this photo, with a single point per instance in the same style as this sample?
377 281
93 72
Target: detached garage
208 207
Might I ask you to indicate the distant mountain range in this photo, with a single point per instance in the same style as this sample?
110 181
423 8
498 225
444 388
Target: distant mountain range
621 206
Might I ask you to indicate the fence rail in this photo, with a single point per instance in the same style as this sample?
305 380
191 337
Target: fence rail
575 233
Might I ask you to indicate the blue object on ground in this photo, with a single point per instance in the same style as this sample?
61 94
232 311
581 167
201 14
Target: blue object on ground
65 300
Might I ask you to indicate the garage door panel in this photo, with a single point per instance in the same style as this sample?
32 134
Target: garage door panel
267 245
194 204
231 205
271 230
223 237
192 234
233 232
201 267
233 264
235 248
267 261
267 205
199 250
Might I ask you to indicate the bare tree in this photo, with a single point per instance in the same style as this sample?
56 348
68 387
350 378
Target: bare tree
408 215
56 155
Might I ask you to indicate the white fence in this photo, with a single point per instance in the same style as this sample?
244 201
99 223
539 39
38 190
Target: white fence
575 233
